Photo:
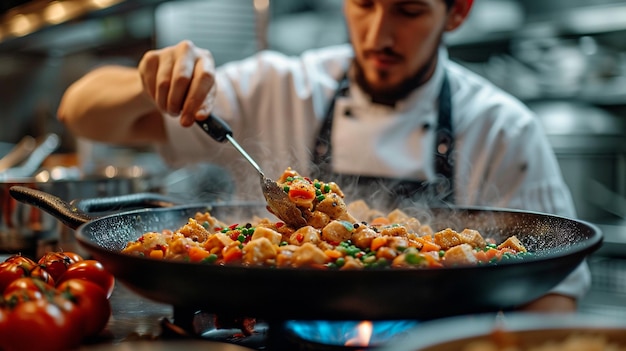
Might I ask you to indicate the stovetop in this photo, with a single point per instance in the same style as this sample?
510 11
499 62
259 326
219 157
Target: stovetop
282 335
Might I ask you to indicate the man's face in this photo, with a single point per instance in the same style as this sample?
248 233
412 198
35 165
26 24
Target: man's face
394 40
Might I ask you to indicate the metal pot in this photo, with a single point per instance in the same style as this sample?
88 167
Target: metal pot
29 230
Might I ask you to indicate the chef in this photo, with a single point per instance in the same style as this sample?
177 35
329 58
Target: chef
388 116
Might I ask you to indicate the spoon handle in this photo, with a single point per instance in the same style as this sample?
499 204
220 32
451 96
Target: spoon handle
216 127
219 130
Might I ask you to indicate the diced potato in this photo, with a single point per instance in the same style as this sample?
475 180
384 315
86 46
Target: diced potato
262 232
473 237
397 216
303 235
337 231
308 254
447 238
460 255
195 231
317 219
363 236
211 221
145 244
216 242
259 251
351 263
394 231
284 255
513 243
334 206
179 247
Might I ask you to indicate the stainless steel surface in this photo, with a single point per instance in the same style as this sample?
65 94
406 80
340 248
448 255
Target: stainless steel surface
18 153
607 296
44 148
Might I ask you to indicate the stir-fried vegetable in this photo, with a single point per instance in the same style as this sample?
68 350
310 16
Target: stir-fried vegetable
332 239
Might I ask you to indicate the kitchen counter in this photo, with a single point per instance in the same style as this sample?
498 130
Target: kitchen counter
133 318
138 323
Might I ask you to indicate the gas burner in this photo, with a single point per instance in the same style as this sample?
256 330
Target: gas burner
344 335
292 335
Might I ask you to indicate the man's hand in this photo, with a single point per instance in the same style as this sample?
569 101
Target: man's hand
180 80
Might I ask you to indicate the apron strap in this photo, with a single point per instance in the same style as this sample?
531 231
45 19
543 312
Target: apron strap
323 148
444 143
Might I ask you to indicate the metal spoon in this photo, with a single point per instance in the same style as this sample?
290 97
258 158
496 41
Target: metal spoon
277 200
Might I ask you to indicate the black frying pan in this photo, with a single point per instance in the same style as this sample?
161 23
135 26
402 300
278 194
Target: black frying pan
560 244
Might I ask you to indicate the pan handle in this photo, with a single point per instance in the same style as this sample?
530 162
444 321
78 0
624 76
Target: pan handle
60 209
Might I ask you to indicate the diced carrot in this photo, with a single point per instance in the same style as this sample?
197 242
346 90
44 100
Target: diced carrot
378 242
493 253
197 254
158 254
380 221
318 266
301 193
427 244
334 254
232 253
432 261
481 256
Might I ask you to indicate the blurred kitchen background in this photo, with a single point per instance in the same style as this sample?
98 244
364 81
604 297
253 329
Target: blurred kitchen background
565 58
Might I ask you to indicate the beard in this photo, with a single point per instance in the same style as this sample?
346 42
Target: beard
392 94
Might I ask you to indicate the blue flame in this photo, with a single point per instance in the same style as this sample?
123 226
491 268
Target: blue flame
338 332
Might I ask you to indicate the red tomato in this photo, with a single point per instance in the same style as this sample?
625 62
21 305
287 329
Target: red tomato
91 301
55 263
38 325
75 315
3 328
73 256
10 271
93 271
25 289
39 273
19 259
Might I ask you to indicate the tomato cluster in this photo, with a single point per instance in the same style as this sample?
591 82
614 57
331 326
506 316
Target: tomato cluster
54 303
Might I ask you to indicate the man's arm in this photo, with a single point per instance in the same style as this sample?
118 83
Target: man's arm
109 104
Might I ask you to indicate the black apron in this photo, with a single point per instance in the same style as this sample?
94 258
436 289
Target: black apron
389 193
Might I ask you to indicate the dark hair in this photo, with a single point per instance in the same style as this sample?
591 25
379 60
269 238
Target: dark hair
449 3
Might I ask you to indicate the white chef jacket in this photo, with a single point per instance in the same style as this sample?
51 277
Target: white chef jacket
276 104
